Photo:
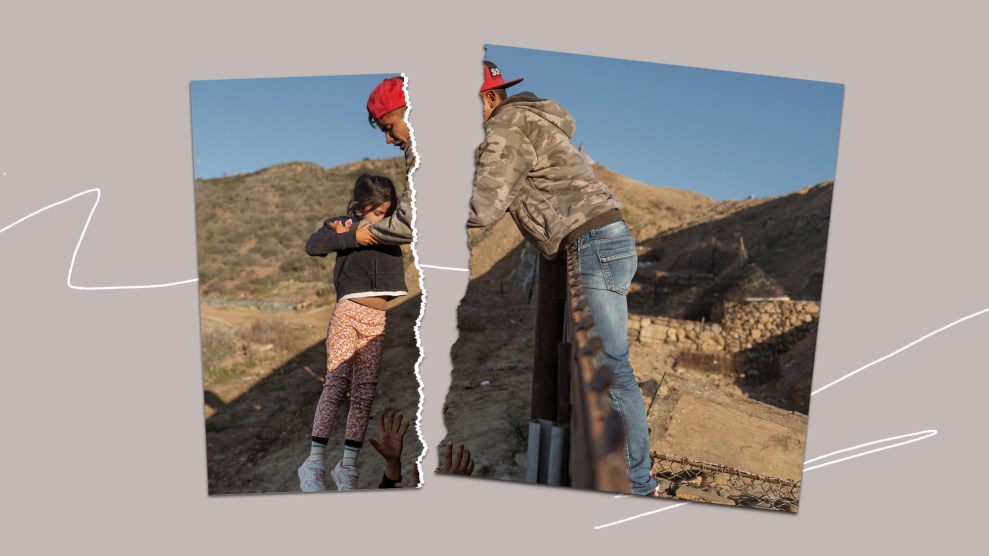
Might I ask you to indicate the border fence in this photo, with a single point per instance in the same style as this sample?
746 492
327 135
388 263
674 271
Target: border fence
577 439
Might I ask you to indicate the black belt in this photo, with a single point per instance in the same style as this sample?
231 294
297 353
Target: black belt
603 219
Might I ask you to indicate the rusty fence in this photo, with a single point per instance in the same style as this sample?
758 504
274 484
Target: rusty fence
680 477
598 439
577 439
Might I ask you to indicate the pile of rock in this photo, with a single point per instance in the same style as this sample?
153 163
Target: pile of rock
743 325
754 322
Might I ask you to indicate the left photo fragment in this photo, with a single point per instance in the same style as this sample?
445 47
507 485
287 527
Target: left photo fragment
309 290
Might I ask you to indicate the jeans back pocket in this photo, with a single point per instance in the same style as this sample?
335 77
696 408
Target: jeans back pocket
618 265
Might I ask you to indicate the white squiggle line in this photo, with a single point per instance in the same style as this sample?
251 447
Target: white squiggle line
68 279
422 284
445 267
926 434
910 345
620 521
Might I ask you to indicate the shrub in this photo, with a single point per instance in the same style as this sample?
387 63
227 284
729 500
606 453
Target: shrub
276 332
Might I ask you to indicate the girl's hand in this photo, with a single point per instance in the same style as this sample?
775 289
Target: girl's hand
341 226
366 237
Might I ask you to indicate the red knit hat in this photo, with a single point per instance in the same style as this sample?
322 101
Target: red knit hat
387 96
493 78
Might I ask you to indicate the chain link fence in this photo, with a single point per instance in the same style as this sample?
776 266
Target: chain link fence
712 482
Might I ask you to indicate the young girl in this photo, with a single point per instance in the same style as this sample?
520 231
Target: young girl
365 279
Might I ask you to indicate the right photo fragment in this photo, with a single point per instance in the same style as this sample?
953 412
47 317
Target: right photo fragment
648 248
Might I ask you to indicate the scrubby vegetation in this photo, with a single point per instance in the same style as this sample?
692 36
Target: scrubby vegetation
252 228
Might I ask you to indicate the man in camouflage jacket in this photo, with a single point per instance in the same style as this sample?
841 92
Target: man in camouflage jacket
386 109
528 166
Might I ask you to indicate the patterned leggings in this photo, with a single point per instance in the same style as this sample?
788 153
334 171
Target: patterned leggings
353 357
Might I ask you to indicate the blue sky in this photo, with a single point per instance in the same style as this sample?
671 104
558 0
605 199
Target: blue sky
243 125
727 135
724 134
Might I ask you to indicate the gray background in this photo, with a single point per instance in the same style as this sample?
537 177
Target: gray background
101 393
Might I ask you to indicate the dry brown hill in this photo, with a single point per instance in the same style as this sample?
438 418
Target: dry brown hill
252 230
785 236
651 209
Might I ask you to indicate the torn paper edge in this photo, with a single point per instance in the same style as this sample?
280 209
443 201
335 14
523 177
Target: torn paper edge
422 285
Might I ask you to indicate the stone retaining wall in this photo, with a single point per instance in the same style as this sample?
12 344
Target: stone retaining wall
743 325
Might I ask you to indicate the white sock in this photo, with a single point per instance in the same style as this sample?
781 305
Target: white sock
350 455
316 451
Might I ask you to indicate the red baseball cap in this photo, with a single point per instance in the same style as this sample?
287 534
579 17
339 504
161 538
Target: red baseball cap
493 78
387 96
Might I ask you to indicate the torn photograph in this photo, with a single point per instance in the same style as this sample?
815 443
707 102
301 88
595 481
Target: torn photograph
647 262
309 290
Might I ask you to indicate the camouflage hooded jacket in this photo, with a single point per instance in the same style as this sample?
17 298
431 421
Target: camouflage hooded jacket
528 166
397 228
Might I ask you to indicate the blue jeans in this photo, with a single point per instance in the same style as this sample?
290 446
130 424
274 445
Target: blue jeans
607 263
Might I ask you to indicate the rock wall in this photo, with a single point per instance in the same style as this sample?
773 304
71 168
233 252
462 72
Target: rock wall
744 325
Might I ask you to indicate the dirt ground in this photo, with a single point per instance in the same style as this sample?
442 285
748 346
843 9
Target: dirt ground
491 382
490 388
258 422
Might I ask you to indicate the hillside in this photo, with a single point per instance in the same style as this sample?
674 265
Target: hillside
680 234
252 230
785 236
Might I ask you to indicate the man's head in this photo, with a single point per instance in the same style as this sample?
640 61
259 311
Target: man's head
491 99
493 92
386 111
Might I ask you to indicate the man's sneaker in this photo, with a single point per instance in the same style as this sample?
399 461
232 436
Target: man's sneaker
659 490
345 476
312 475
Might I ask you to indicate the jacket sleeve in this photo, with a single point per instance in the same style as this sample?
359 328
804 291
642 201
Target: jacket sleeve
503 162
397 228
388 482
326 240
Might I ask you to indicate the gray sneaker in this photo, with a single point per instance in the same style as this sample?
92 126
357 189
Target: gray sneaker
312 475
345 476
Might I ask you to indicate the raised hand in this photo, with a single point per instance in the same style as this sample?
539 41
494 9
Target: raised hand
391 434
461 464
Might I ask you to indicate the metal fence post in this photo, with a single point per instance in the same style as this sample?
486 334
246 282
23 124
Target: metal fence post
551 282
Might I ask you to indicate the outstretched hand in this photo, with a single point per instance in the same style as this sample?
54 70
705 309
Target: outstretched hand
391 434
461 464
